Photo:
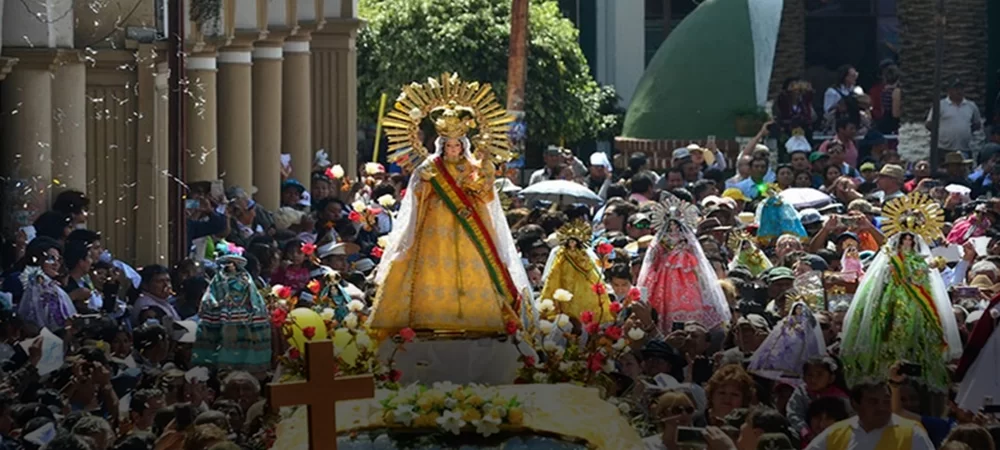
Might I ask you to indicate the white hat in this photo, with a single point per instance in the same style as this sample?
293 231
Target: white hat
337 248
681 153
600 159
798 144
711 199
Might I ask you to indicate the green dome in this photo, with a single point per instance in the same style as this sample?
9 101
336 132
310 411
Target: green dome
706 72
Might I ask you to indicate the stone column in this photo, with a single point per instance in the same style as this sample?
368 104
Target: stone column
152 231
335 91
69 128
296 107
235 117
202 105
267 58
26 163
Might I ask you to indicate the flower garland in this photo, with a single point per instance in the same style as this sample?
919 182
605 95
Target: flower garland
452 408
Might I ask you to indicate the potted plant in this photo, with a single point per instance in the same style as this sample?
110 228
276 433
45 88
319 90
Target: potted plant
749 120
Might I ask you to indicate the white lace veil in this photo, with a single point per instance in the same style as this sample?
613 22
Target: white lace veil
708 282
873 284
404 228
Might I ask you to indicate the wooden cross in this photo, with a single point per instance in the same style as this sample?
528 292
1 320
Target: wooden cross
320 393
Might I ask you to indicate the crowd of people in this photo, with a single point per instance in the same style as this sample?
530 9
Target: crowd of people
860 321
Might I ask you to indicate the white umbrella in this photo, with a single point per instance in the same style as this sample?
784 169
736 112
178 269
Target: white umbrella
805 198
560 192
506 186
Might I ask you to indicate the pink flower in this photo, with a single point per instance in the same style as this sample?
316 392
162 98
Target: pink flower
293 353
634 294
511 327
529 361
309 332
308 249
615 307
592 328
354 216
613 332
599 288
395 375
605 249
278 317
313 287
376 252
587 317
407 334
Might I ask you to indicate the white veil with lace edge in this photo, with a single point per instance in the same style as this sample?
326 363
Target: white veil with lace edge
404 229
708 282
874 283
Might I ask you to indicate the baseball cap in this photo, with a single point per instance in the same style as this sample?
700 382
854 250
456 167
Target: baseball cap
755 321
681 153
735 194
816 156
780 273
867 167
810 216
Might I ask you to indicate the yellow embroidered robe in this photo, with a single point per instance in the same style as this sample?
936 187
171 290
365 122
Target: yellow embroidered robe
574 271
440 283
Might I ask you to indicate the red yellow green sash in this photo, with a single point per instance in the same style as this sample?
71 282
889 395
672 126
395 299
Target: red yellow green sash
459 203
915 291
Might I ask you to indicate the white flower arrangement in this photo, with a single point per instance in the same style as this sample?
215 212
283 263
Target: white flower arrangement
452 408
355 306
387 201
337 171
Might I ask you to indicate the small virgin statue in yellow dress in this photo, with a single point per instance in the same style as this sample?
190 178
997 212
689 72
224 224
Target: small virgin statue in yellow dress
451 264
572 267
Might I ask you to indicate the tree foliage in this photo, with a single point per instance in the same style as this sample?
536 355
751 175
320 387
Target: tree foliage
409 40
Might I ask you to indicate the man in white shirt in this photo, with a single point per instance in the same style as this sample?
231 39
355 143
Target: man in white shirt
873 402
959 119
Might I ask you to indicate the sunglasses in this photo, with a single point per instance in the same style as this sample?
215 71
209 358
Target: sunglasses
641 225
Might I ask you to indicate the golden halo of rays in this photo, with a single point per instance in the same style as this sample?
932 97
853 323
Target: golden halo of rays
578 229
418 101
671 207
915 213
736 238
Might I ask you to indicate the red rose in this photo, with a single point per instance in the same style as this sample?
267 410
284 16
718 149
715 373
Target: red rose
407 334
605 248
592 328
599 288
308 249
395 375
511 327
313 287
615 307
634 294
329 173
595 362
354 216
613 332
309 332
529 361
293 353
278 317
586 317
284 292
376 252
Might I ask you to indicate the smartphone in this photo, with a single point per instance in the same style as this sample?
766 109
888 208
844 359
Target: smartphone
911 370
710 142
192 203
689 435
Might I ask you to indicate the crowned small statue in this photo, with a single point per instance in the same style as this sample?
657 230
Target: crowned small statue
451 264
573 267
747 254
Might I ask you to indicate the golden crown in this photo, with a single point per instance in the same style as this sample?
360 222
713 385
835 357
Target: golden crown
916 214
454 121
672 208
462 106
578 230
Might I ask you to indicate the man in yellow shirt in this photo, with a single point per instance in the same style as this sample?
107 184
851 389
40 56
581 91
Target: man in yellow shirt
875 427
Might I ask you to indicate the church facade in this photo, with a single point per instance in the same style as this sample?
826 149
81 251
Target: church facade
96 96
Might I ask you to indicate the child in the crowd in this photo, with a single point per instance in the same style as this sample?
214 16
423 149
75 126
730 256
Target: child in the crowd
294 270
823 377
